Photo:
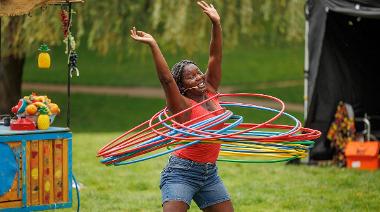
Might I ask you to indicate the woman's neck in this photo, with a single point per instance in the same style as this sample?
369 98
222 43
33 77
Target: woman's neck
197 98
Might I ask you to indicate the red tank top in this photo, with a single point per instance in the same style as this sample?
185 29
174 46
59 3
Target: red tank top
202 153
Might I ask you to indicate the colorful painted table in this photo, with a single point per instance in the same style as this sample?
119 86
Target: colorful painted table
35 169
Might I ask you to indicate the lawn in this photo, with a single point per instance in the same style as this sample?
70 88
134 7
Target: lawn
96 119
242 66
253 187
107 113
246 69
293 94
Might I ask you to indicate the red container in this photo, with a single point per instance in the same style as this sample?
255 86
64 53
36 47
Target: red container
363 155
23 124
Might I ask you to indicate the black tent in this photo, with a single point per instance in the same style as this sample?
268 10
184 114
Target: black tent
342 63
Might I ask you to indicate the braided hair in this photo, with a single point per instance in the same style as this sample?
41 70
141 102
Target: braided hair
177 72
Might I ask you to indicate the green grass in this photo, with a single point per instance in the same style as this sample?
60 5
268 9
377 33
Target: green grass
243 66
260 187
93 113
105 113
291 94
97 119
253 187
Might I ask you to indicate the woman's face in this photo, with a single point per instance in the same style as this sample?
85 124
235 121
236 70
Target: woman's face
193 80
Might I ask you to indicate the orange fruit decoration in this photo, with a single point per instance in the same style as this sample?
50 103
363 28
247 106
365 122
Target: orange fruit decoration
31 109
54 108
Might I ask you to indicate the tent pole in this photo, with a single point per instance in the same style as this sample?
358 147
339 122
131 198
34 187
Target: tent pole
306 65
306 69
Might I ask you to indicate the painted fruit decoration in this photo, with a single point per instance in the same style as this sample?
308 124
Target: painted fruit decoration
44 57
31 109
43 121
38 108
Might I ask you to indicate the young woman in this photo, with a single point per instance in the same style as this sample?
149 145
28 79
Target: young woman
191 172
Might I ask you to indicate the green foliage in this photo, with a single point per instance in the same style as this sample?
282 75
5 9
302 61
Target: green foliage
24 34
175 24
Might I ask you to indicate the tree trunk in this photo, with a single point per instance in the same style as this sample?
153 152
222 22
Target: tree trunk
11 65
11 69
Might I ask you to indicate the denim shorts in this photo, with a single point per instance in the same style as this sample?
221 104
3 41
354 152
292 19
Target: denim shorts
184 180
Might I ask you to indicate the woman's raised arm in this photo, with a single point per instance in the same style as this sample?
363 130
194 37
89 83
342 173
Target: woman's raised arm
214 72
175 101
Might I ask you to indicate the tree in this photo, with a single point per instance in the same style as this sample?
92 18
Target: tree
107 24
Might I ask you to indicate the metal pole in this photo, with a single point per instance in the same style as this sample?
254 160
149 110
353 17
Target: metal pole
68 69
306 62
306 69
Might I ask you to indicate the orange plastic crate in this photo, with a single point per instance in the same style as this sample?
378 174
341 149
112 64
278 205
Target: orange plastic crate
363 155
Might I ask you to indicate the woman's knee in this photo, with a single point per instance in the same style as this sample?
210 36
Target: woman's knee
225 206
175 206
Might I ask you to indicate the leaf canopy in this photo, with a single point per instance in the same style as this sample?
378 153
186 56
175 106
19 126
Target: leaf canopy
105 25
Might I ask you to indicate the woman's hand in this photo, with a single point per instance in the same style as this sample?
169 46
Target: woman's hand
142 36
210 11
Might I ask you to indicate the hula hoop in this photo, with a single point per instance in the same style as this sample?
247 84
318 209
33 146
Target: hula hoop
237 139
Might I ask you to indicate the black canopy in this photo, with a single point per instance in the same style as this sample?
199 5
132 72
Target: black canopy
342 63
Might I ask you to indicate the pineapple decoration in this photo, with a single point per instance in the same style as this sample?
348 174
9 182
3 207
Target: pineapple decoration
43 120
44 57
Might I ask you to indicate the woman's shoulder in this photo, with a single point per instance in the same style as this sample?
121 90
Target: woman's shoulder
210 94
211 89
189 102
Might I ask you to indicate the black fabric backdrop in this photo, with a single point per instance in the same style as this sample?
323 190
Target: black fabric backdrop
344 57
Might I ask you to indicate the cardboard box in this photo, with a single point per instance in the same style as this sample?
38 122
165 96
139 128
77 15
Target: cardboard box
363 155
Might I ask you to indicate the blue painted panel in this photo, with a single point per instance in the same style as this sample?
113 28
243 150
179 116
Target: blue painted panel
24 190
70 164
7 131
38 208
8 168
37 136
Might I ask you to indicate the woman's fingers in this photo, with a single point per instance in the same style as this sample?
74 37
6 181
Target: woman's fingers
140 33
141 36
202 5
205 4
134 30
208 9
135 33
